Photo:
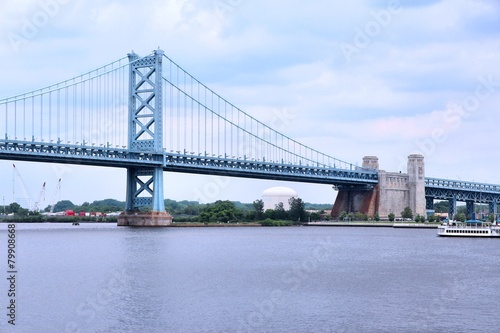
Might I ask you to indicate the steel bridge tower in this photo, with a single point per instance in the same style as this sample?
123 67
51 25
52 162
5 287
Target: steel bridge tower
145 137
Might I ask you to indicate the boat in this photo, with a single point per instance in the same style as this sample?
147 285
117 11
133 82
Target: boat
469 228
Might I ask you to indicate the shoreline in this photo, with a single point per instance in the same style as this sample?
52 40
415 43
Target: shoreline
253 224
211 225
374 225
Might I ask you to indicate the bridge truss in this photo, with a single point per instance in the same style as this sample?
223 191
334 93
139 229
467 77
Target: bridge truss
458 190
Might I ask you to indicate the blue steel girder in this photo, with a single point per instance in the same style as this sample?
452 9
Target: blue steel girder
469 209
492 208
452 208
146 186
461 195
429 203
269 170
446 189
77 154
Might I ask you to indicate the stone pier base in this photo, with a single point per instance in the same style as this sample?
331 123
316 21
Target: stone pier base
142 219
352 201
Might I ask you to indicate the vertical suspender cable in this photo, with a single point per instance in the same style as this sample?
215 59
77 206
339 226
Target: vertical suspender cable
205 121
171 144
66 114
110 99
178 111
24 118
90 109
74 113
124 113
32 117
15 120
82 114
218 127
192 127
231 129
6 120
225 127
199 120
50 116
41 117
185 115
212 124
58 115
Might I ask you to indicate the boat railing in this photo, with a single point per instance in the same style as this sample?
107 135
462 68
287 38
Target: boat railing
475 225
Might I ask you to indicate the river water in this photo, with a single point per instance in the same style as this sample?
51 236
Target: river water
104 278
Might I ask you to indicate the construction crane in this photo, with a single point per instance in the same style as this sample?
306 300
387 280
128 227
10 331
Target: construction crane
41 197
55 197
26 192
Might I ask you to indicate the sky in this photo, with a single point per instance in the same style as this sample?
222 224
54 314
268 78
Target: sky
348 78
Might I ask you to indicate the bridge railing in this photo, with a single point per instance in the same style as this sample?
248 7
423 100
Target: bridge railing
461 185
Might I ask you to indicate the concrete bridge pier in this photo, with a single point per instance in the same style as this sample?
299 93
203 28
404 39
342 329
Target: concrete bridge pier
394 192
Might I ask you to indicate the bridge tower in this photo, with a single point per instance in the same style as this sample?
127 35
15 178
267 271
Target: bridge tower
416 184
145 136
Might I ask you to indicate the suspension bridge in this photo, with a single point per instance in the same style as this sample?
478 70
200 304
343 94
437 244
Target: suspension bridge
149 115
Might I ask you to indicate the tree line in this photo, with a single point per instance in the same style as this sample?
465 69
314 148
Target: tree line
222 211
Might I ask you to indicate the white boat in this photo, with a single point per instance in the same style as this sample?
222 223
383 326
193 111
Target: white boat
471 228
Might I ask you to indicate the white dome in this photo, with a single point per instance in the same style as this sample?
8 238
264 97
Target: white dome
279 191
274 195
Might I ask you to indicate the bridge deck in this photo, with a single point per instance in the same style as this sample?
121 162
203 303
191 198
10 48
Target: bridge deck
185 163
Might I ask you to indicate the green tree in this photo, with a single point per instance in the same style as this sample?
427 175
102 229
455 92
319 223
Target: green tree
376 217
342 215
432 218
315 216
407 213
13 208
360 216
391 217
63 205
220 211
280 212
441 206
297 212
258 206
491 217
461 217
270 214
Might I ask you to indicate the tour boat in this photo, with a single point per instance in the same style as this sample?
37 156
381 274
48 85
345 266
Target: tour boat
470 228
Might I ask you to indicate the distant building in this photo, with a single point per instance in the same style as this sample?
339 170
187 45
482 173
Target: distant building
274 195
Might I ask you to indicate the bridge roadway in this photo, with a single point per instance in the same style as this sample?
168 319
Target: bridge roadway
435 188
185 163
